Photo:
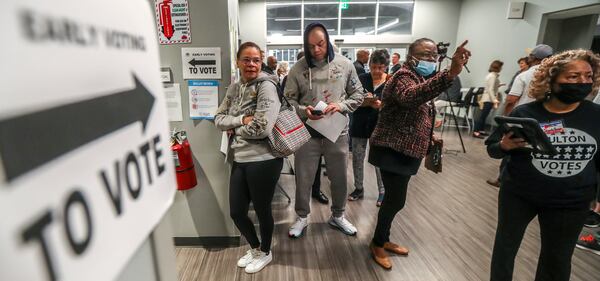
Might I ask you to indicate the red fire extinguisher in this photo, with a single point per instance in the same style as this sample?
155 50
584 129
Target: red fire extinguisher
184 163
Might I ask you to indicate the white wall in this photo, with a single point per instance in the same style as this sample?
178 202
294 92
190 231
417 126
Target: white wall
437 20
253 22
492 36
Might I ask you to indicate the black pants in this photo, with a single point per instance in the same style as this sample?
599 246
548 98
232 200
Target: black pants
393 201
480 123
502 165
254 182
316 187
559 230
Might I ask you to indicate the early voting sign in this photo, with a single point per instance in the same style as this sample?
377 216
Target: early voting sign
201 63
85 167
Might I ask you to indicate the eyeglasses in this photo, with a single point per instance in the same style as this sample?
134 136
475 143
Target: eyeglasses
432 56
248 61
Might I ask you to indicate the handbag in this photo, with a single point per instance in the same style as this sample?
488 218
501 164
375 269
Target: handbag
433 160
289 132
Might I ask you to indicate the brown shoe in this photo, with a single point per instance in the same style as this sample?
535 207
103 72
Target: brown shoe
380 256
396 249
495 183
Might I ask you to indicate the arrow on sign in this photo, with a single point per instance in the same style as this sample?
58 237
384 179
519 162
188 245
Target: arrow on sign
195 62
34 139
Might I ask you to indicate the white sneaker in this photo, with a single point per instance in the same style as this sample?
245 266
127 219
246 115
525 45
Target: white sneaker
343 225
298 227
248 257
259 262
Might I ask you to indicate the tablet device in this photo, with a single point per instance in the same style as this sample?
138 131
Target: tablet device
528 129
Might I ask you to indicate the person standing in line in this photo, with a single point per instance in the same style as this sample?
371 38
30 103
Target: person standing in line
523 66
404 132
317 194
556 188
322 76
396 63
362 58
365 119
591 241
248 113
489 98
518 94
271 65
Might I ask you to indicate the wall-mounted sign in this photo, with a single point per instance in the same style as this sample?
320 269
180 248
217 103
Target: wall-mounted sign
166 76
173 96
201 63
204 99
173 21
85 167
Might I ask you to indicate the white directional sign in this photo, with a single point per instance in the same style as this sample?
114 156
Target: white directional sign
201 63
85 167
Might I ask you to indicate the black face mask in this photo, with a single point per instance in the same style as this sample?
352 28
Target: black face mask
570 93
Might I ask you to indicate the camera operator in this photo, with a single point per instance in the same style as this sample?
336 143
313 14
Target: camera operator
404 132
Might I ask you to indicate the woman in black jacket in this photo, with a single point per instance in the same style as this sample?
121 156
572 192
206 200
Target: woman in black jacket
557 189
364 121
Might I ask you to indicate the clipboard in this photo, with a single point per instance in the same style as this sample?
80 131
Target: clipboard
528 129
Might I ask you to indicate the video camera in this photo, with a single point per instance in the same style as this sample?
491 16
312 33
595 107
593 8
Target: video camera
442 49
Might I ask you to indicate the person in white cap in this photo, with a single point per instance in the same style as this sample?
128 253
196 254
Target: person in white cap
518 94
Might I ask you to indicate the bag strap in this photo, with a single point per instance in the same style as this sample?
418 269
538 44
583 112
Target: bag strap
282 98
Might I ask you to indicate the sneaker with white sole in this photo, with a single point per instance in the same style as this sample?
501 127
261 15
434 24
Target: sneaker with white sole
343 225
298 227
248 257
259 262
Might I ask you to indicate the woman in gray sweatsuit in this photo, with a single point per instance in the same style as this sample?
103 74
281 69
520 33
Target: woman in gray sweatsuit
248 113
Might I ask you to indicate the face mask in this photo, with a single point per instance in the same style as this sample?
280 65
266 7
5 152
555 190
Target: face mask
425 68
570 93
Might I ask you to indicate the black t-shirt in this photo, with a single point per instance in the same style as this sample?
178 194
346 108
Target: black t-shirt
569 178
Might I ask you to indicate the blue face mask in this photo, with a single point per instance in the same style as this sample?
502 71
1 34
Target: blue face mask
425 68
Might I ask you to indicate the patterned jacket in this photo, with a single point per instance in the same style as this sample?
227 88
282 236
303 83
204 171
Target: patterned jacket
405 121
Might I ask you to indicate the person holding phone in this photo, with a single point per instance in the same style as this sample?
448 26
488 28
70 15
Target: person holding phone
557 189
327 77
404 132
365 119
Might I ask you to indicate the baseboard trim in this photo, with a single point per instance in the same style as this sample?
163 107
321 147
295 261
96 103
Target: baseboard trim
208 242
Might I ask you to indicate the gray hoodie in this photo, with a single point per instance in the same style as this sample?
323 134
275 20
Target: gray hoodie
335 81
258 98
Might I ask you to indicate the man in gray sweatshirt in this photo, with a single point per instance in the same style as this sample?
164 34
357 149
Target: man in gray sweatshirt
322 76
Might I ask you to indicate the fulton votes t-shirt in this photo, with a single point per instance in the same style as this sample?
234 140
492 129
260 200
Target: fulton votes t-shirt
568 178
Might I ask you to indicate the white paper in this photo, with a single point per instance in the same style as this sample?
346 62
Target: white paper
330 126
173 95
204 99
320 106
224 143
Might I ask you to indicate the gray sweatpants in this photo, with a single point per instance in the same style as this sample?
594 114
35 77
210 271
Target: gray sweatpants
359 151
336 161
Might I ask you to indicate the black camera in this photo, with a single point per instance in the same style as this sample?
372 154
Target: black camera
442 49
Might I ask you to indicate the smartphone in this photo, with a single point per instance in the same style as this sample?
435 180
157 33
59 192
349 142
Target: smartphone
317 112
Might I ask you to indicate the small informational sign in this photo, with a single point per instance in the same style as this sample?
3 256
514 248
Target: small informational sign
173 96
85 170
173 21
201 63
166 76
204 99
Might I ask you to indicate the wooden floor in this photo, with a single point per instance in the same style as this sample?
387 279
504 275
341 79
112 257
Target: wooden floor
448 223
